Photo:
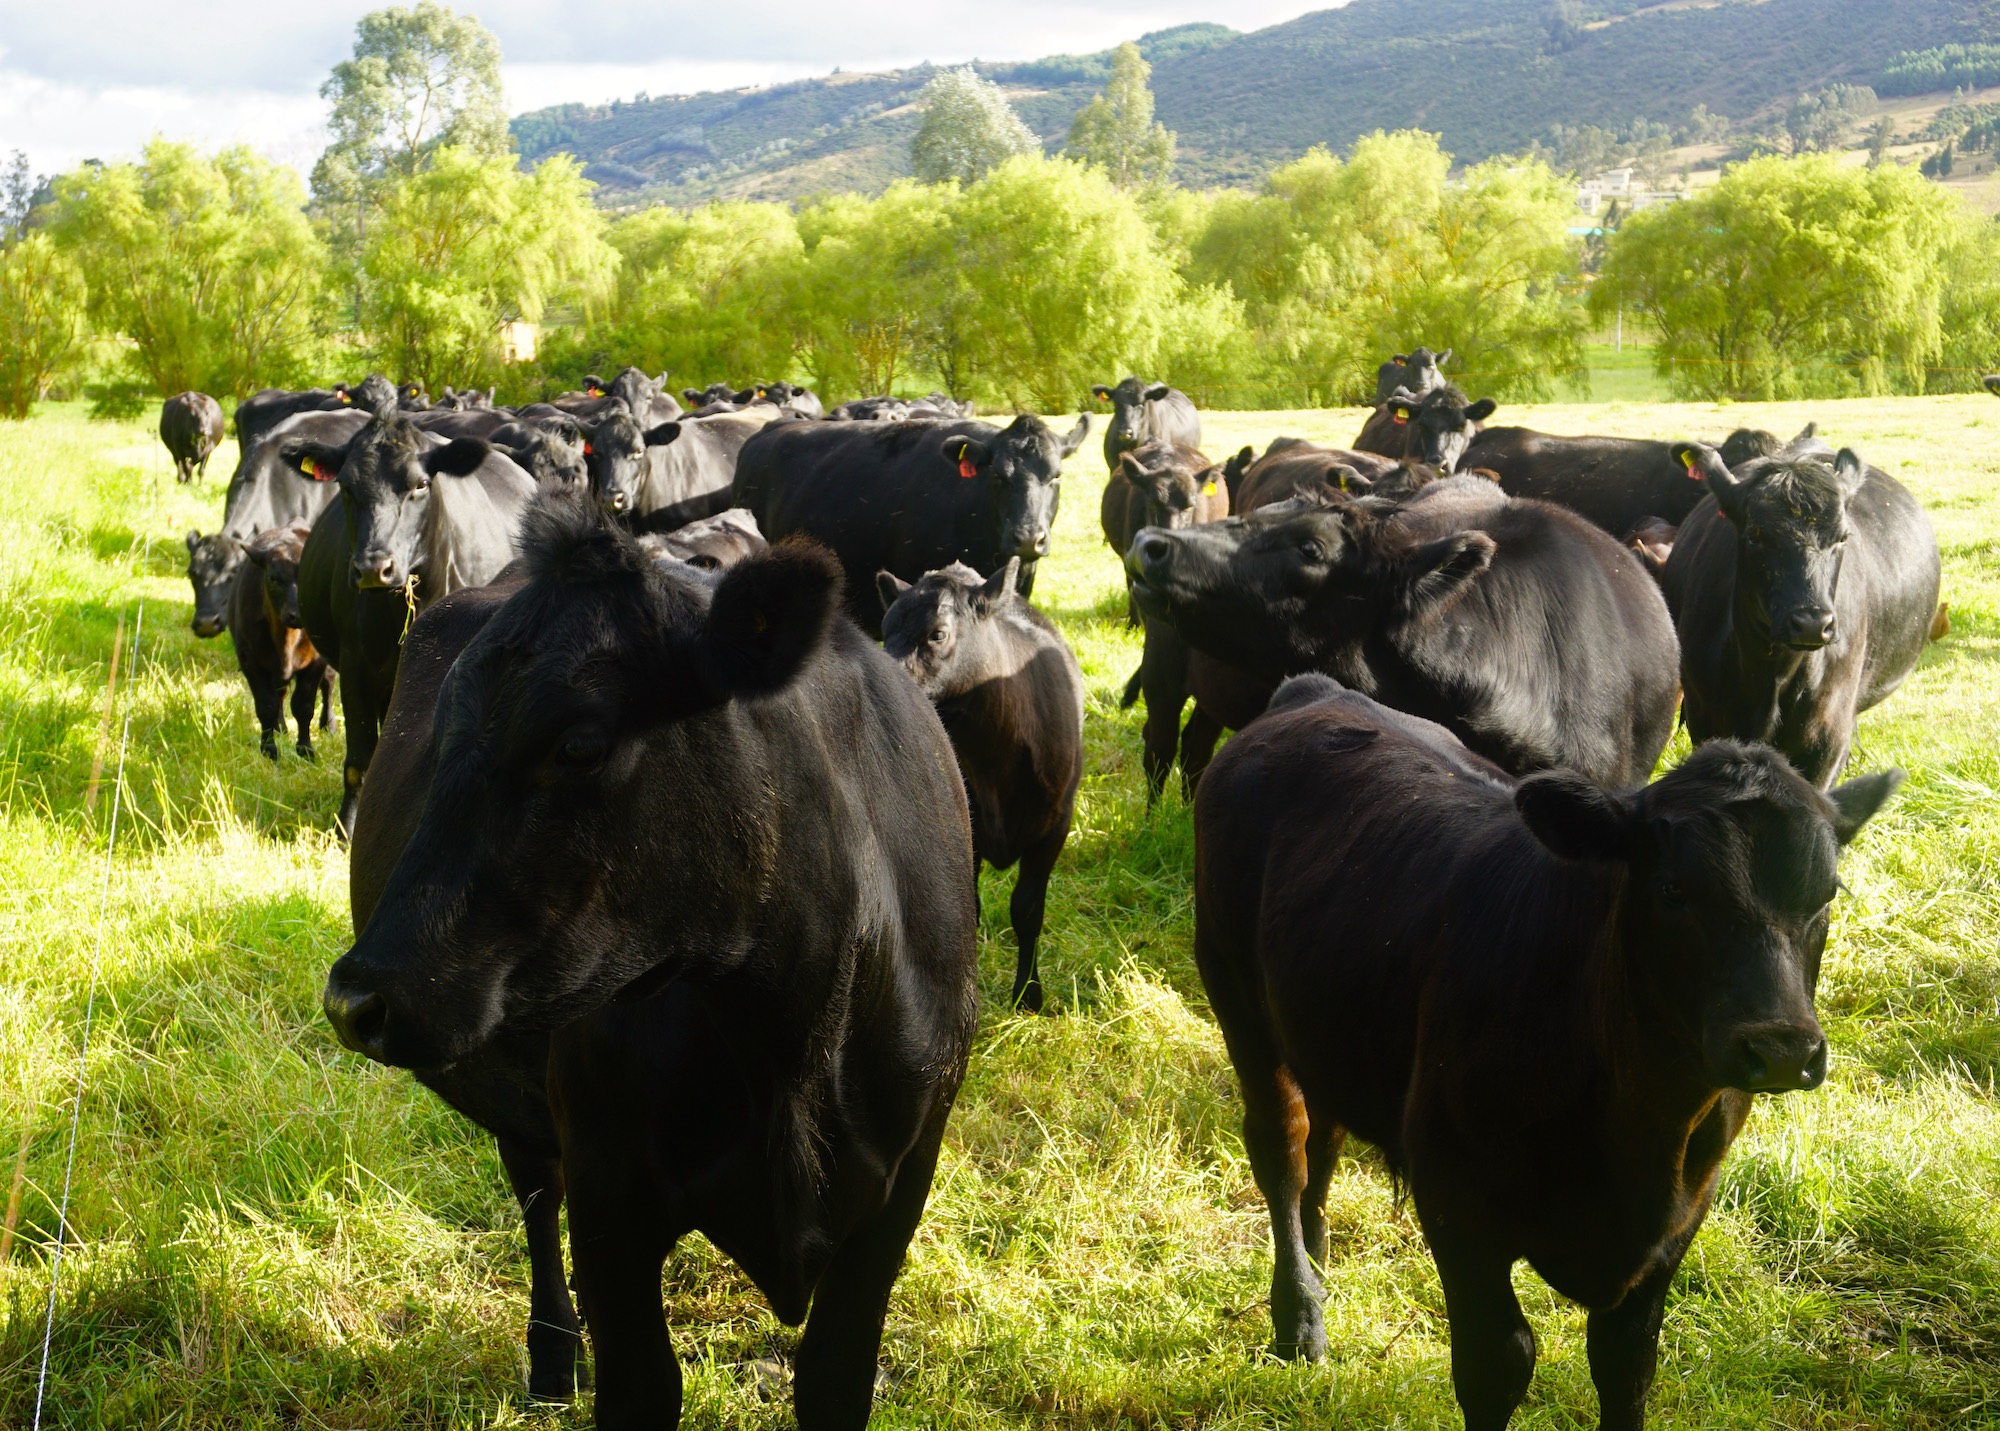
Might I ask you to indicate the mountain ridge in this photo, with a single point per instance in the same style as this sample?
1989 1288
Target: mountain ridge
1490 76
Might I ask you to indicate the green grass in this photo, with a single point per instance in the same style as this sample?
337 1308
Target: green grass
275 1232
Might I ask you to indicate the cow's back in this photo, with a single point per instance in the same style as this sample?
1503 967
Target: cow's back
1611 482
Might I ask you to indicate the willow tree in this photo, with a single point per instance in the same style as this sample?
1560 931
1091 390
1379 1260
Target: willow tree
968 128
1117 128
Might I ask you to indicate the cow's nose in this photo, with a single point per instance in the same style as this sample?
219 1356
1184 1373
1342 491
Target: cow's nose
1042 544
359 1018
1810 628
206 626
1153 552
374 571
616 501
1778 1061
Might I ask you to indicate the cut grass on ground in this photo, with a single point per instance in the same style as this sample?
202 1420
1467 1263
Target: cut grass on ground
273 1232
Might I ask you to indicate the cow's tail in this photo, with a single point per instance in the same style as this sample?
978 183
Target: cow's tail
1131 696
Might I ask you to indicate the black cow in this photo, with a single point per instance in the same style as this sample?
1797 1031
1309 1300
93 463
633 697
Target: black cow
1537 639
871 409
471 400
211 570
272 648
266 408
909 497
714 392
1160 484
711 543
673 473
416 519
263 494
1613 482
1804 588
1008 690
191 428
1548 1003
1225 696
1417 373
798 913
1434 429
502 1086
1146 412
550 450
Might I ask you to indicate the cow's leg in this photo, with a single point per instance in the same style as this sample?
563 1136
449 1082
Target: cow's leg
1198 742
833 1378
1324 1140
267 694
305 695
1492 1346
1163 679
325 681
1624 1341
1274 1135
1030 903
357 703
555 1341
618 1257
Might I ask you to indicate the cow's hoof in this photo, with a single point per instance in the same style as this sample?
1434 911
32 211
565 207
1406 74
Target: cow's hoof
269 750
1028 998
306 752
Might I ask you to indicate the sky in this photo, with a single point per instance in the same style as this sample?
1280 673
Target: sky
98 78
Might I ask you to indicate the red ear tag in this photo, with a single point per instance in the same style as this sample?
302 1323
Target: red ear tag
1688 459
966 469
588 449
597 392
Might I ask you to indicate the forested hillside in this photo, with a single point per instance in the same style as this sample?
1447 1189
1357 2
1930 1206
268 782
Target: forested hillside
1491 76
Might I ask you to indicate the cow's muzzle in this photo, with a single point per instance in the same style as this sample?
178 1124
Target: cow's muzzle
360 1018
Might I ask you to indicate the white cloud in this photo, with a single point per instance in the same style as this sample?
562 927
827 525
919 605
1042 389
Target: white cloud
98 78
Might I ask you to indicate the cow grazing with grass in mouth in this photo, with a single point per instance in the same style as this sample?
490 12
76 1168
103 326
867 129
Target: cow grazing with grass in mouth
751 947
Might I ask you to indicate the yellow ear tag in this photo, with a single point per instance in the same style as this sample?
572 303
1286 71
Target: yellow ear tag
310 468
1208 489
1401 415
1343 481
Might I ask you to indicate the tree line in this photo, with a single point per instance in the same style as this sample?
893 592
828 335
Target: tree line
1000 273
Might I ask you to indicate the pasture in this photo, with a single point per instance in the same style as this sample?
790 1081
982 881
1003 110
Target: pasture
272 1231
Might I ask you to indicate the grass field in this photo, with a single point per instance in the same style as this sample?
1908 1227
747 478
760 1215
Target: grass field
273 1232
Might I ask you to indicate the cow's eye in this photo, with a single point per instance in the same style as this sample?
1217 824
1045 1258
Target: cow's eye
582 747
1311 550
1673 894
938 634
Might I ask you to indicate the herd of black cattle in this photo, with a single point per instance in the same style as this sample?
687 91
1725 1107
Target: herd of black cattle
666 873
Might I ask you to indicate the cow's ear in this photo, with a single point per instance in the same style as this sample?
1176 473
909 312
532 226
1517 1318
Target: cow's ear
1073 439
1438 572
1851 472
314 461
1481 410
193 540
1100 392
1442 358
1571 817
1856 802
996 587
260 556
1806 433
458 458
1158 391
665 433
969 453
1399 358
691 396
769 614
1131 469
889 586
1705 464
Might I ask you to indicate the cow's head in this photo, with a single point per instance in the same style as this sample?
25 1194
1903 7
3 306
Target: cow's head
1021 466
1439 425
275 554
601 808
549 449
941 630
1131 422
211 569
1287 587
385 471
1730 861
614 452
1790 515
1175 481
634 389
